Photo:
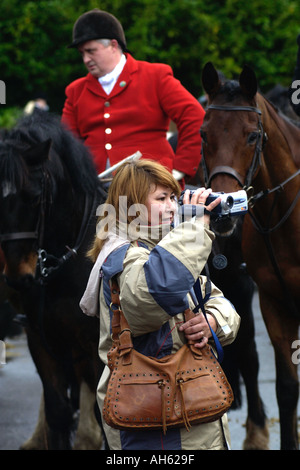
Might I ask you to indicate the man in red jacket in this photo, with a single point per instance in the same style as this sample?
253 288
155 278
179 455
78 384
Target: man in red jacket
123 105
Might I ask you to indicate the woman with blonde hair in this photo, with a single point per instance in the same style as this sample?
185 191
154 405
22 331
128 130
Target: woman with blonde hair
156 262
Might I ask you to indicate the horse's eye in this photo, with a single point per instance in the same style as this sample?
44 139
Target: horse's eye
252 138
203 136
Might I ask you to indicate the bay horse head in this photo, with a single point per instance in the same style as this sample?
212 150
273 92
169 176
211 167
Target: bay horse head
232 143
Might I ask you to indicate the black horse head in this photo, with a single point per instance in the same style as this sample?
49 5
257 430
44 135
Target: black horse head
47 182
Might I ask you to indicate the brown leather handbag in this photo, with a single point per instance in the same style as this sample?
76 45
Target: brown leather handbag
178 390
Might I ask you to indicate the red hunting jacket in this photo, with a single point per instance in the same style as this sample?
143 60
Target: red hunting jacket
136 116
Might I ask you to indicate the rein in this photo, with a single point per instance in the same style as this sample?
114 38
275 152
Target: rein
43 257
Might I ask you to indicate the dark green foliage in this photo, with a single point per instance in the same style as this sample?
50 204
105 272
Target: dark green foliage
183 33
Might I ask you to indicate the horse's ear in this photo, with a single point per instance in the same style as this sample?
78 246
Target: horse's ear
210 79
38 154
248 81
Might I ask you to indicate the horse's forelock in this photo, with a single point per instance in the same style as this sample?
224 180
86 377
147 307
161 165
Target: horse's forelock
13 170
67 153
230 89
67 156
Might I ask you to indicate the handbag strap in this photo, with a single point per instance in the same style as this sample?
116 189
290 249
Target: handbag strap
121 333
201 303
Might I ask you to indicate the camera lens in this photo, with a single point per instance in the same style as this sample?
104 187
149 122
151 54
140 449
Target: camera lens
229 202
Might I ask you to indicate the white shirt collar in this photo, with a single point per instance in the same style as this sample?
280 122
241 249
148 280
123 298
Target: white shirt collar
109 80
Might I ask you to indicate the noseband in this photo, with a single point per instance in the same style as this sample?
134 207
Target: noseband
256 161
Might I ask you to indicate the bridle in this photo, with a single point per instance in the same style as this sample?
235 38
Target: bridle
256 160
47 264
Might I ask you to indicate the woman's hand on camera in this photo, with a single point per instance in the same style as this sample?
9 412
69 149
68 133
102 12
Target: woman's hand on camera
198 198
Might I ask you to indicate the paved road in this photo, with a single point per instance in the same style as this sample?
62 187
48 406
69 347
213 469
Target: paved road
20 391
267 389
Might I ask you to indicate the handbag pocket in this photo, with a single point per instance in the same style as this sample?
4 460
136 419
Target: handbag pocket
144 403
201 397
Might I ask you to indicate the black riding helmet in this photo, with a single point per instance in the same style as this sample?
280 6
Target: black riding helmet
97 24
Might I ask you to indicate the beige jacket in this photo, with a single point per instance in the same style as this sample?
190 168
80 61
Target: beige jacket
155 279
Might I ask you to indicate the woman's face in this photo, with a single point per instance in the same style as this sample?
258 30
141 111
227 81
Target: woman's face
161 205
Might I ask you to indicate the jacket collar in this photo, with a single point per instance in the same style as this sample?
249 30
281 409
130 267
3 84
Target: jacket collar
148 235
122 83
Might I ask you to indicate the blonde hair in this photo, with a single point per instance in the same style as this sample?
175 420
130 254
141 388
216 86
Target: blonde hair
133 180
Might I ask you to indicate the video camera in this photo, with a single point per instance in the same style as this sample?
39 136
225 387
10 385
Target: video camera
231 203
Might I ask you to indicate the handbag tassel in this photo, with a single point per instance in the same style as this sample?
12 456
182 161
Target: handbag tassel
185 418
162 385
183 410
